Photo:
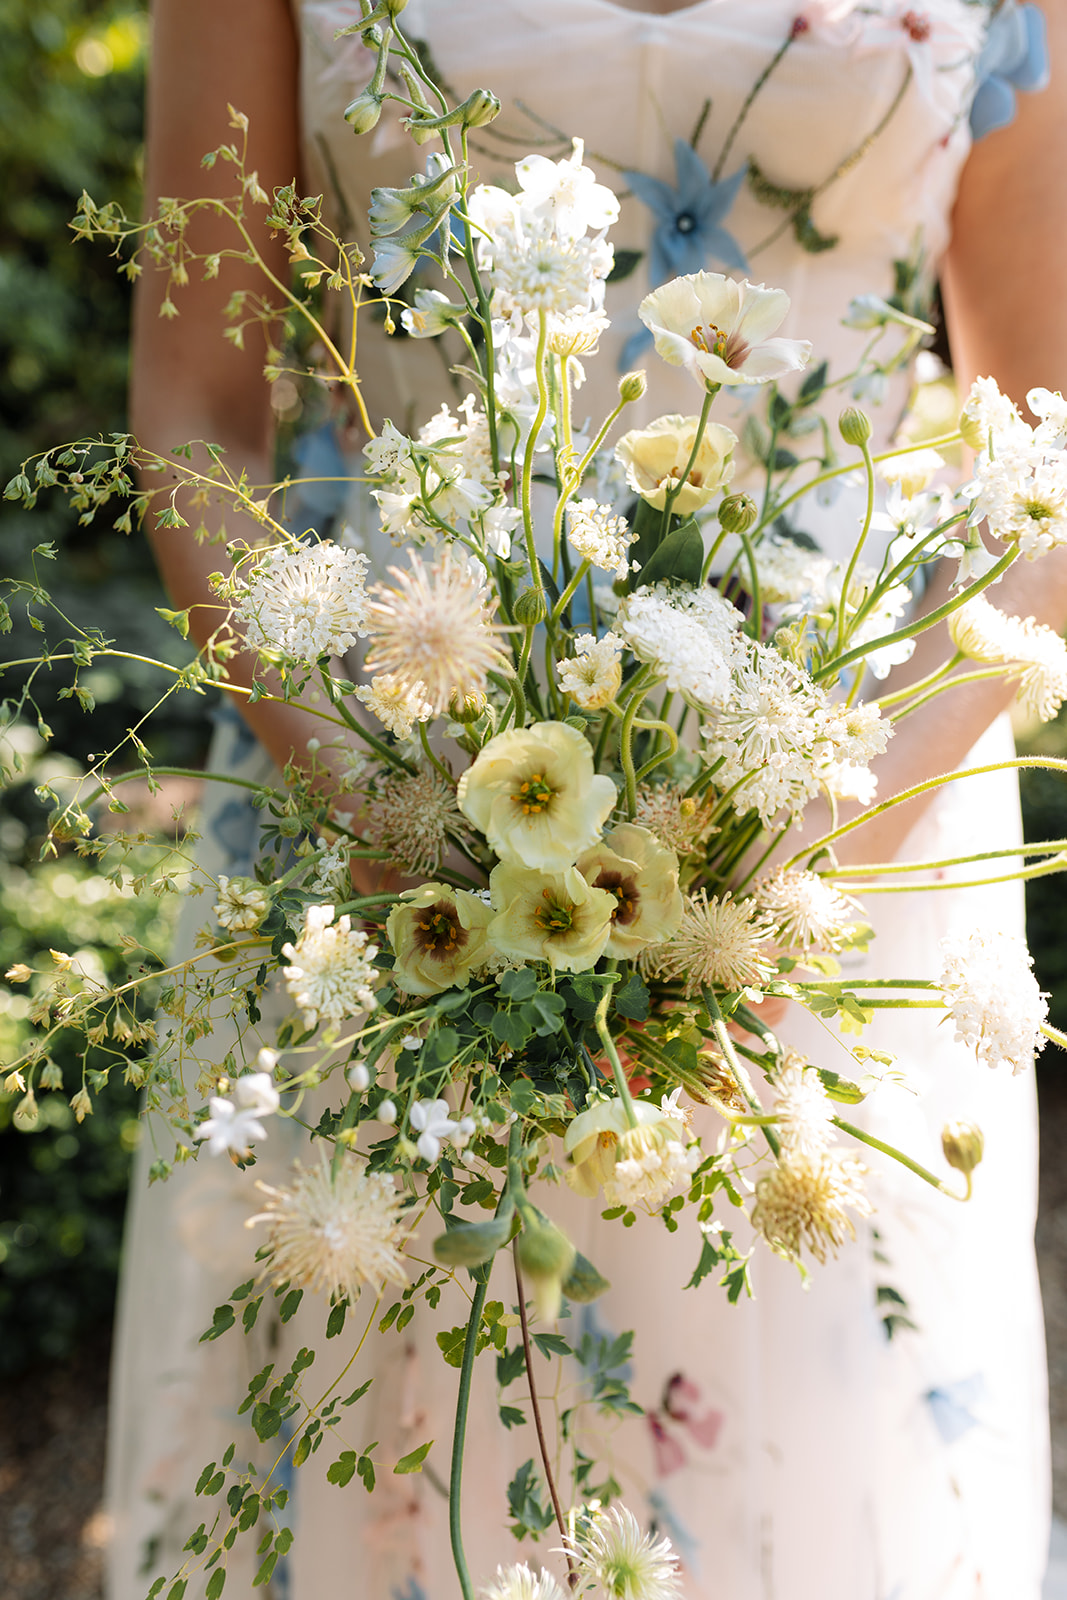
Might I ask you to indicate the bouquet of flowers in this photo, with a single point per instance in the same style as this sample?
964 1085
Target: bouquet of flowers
520 900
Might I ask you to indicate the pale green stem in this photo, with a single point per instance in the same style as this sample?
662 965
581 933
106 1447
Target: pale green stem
528 455
664 755
455 1483
949 683
885 700
424 739
898 1155
741 1077
710 392
861 541
604 1034
512 686
1044 848
569 592
837 472
1044 870
1054 1034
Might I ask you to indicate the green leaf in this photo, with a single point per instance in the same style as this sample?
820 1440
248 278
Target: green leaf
510 1365
583 1282
290 1304
336 1320
679 558
841 1089
451 1345
343 1470
222 1319
263 1575
544 1013
215 1584
357 1394
365 1468
519 984
552 1344
176 1590
511 1417
625 264
413 1461
632 999
709 1260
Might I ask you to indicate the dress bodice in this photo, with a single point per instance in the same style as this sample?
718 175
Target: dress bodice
852 132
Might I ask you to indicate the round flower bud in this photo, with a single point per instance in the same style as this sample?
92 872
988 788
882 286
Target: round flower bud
546 1256
854 425
479 108
962 1144
363 113
466 707
972 432
632 386
737 513
386 1111
530 607
358 1077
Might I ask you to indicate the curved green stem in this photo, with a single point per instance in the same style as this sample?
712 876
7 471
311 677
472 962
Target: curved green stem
604 1034
668 505
741 1077
528 454
455 1481
860 542
898 1155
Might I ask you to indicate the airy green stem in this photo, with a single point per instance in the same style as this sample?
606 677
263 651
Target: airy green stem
860 542
601 1024
709 395
455 1482
528 454
741 1077
898 1155
535 1407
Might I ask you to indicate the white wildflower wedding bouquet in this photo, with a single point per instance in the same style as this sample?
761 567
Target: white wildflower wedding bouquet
579 714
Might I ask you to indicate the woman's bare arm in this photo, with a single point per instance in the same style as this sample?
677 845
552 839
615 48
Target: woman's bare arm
1005 288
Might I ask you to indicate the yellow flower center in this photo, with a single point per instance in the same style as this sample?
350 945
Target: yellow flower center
714 342
534 795
439 931
555 916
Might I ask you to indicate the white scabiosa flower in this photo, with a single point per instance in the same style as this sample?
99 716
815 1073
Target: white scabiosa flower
720 330
305 603
721 943
599 536
808 912
332 972
593 675
519 1583
689 635
432 631
992 997
803 1109
650 1163
396 704
612 1553
1034 654
332 1232
241 905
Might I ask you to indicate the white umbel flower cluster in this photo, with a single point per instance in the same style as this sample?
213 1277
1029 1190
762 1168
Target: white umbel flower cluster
1034 654
600 537
331 1232
689 635
306 603
1020 474
993 998
332 972
593 675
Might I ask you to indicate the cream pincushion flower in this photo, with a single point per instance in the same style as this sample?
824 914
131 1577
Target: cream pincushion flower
719 330
802 1201
549 916
655 458
437 935
614 1556
534 794
519 1583
396 705
721 943
331 1232
332 974
642 874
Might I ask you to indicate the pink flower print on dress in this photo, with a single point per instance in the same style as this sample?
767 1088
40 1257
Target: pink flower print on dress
680 1401
939 37
670 1457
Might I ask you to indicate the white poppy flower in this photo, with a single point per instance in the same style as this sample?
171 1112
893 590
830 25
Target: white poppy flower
720 330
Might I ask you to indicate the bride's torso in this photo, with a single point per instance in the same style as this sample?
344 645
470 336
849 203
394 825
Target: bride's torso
853 143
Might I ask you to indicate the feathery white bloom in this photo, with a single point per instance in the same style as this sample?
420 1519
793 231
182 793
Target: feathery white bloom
414 817
912 471
519 1583
396 705
689 635
803 1109
531 270
432 630
1020 475
649 1164
993 998
1034 654
599 536
332 972
676 818
332 1232
305 603
592 676
241 905
808 912
802 1200
722 942
611 1552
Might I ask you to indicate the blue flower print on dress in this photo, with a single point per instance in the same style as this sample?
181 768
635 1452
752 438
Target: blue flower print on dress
1014 57
951 1406
689 228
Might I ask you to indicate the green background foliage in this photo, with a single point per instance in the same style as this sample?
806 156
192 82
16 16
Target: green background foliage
71 87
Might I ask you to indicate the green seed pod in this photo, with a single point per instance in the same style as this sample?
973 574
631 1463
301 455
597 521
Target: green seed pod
466 707
963 1144
363 113
531 607
854 426
479 108
737 513
471 1243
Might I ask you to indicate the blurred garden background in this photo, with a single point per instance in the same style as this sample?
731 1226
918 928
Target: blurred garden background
71 87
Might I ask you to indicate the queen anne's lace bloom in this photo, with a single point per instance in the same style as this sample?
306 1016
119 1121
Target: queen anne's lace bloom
331 1232
1020 475
332 971
592 677
993 998
1034 654
599 536
612 1553
689 635
305 603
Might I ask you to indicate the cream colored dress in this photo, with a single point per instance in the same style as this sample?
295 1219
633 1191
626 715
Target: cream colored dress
788 1447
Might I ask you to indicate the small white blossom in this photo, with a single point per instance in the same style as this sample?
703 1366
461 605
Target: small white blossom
431 1121
803 1109
599 536
993 998
612 1553
519 1583
593 675
689 635
396 705
235 1124
241 905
